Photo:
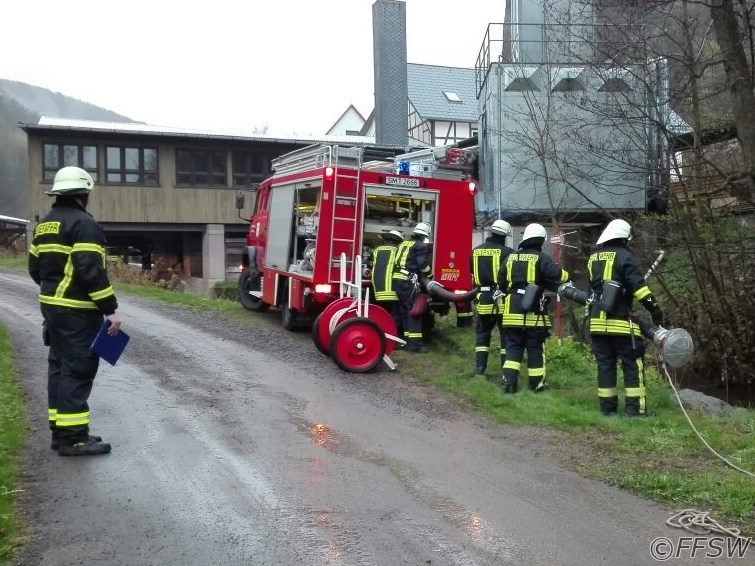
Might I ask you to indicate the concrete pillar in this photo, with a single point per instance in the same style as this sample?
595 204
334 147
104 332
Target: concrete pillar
213 255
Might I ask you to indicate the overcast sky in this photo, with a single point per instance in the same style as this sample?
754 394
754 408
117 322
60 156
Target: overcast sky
291 65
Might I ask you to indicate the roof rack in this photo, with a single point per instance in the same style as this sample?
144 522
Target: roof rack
317 156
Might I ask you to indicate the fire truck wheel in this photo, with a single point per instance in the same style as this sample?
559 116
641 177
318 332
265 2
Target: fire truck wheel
357 345
316 336
288 316
250 291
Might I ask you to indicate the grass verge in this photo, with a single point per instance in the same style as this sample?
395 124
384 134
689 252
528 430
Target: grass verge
17 262
660 457
12 434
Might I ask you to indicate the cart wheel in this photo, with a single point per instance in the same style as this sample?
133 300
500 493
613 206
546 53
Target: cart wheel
358 345
340 308
316 335
384 320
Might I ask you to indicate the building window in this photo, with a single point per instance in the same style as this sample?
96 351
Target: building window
451 96
249 168
63 155
131 165
201 168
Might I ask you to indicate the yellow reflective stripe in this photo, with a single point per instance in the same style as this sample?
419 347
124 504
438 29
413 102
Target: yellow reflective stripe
564 276
503 351
33 250
52 415
399 275
608 392
97 295
482 349
513 319
608 268
413 334
72 419
464 314
635 391
510 364
386 296
484 309
531 271
509 272
72 303
613 326
67 278
55 248
536 372
641 293
88 247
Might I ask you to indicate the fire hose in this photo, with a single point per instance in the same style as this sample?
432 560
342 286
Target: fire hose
676 348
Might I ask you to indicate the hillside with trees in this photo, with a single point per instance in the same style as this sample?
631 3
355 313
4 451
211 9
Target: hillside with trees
24 103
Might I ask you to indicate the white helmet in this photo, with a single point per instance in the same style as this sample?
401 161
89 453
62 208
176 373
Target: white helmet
423 229
616 229
71 181
501 227
534 231
394 235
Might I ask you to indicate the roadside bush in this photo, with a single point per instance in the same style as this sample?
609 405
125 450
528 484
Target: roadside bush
159 276
706 284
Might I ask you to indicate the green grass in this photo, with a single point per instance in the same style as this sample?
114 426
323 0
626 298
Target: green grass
12 435
180 299
659 457
15 262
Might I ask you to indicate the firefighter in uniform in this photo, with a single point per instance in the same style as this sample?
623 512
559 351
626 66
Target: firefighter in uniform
616 280
67 260
412 262
523 277
383 260
485 263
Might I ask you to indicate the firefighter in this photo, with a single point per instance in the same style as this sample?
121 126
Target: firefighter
67 260
485 263
412 262
383 260
616 280
524 276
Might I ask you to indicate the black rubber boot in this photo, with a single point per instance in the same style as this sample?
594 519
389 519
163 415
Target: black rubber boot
55 444
537 384
415 346
90 447
510 386
481 362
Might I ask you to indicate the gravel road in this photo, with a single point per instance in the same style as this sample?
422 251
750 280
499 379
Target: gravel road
238 443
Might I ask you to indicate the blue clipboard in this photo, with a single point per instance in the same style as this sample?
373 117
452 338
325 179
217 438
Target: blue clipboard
109 348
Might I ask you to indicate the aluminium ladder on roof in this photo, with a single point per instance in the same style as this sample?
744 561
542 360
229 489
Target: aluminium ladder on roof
316 157
346 213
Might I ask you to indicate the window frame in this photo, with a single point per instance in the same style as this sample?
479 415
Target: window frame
60 146
123 171
209 172
249 177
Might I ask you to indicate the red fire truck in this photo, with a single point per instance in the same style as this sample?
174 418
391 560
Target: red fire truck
325 201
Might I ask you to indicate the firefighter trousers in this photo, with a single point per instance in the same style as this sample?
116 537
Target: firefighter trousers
412 324
608 350
393 308
483 332
519 340
71 369
464 314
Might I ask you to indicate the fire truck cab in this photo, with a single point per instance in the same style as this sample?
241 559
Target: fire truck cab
327 200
